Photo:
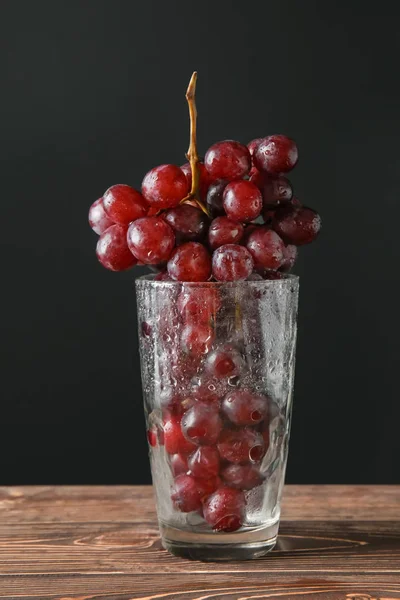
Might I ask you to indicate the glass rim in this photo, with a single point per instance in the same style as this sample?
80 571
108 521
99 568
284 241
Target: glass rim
148 279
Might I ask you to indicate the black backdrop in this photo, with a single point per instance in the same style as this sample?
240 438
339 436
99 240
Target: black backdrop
92 94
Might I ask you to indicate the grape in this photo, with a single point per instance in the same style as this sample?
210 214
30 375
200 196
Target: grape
190 262
224 231
123 204
266 248
199 304
152 437
227 160
290 256
276 154
274 190
244 408
224 362
112 250
146 329
151 240
197 338
269 275
174 440
298 225
165 186
205 179
224 509
241 446
179 464
231 263
99 221
215 200
242 201
242 477
188 492
201 424
253 145
189 223
204 463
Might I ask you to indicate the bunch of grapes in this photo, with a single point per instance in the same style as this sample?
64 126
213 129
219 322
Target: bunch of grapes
241 220
229 217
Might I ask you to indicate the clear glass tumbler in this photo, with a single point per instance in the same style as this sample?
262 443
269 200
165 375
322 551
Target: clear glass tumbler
217 362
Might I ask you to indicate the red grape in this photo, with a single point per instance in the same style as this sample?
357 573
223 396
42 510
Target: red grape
276 154
274 190
165 186
147 329
99 221
189 223
171 403
266 248
242 407
231 263
204 463
188 492
197 338
253 145
241 446
227 160
224 509
242 477
198 304
205 179
152 437
290 256
151 240
123 204
112 249
298 226
190 262
224 362
174 440
272 275
224 231
179 464
215 200
201 424
242 201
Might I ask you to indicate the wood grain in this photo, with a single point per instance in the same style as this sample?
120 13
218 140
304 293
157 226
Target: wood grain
81 543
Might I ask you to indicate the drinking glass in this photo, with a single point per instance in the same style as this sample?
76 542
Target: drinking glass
217 364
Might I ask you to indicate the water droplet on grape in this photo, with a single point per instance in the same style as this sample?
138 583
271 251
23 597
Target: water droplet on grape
234 381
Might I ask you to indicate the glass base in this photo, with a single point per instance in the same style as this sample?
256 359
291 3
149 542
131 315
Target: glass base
244 545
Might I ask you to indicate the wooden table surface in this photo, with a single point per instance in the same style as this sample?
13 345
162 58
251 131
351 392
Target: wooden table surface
87 543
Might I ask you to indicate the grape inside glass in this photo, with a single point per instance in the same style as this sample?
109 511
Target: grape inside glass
217 363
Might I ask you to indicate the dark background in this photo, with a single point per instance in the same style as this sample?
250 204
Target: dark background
92 94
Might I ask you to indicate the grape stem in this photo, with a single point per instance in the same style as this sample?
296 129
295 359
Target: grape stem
192 154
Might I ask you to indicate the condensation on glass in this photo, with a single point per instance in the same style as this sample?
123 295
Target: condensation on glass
256 320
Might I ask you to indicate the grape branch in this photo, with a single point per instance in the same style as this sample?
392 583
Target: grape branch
192 154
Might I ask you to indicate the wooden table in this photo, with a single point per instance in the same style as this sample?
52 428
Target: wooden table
90 543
